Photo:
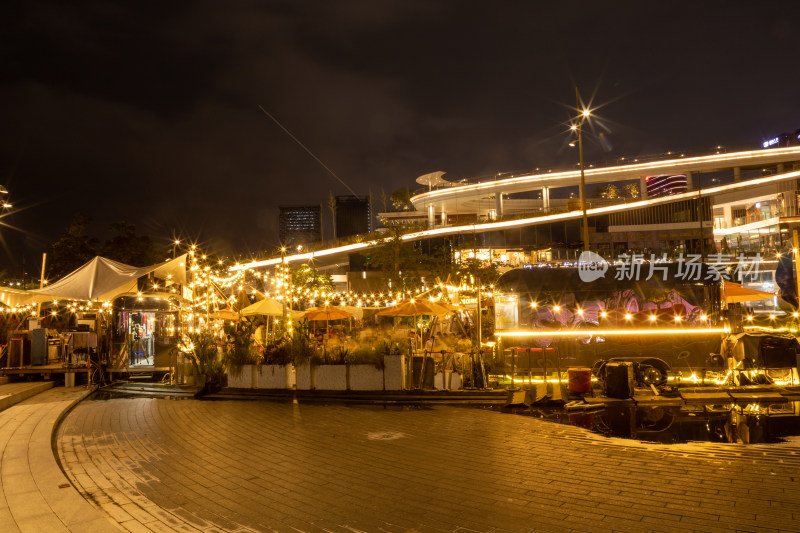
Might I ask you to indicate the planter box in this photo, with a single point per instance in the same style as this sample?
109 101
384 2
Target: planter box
330 377
185 374
365 377
242 377
305 377
447 381
394 372
275 377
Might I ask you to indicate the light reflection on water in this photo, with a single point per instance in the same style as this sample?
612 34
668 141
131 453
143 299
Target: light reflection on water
757 422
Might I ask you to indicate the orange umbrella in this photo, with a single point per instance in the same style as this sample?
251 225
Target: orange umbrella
736 293
326 313
225 314
413 308
450 307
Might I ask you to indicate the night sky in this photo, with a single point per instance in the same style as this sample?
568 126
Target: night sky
148 112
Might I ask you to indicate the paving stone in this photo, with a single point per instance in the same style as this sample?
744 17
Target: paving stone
271 466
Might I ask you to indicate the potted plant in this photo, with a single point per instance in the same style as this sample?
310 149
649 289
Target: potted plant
241 356
276 370
305 358
394 365
208 366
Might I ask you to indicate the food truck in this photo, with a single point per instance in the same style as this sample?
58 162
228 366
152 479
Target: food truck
661 319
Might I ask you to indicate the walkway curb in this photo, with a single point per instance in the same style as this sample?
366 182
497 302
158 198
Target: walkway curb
36 494
14 393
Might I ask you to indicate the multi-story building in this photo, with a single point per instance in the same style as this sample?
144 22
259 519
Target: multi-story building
353 215
299 224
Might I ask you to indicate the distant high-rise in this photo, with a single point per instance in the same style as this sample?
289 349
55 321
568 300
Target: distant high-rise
299 224
353 215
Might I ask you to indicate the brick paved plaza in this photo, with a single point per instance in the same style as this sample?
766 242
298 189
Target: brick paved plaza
187 465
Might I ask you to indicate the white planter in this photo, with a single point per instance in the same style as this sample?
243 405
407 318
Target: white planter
365 377
305 377
394 372
448 381
330 377
275 377
185 372
242 377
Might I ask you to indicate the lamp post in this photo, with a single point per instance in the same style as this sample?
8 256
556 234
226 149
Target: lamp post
285 287
577 127
4 198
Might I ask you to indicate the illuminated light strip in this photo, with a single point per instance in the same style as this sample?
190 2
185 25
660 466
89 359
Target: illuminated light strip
540 380
526 221
774 330
622 169
300 257
582 332
597 210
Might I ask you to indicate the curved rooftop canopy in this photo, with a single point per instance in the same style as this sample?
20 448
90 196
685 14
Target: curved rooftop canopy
434 179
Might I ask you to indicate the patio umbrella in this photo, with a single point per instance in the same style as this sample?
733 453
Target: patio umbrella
414 308
450 307
736 293
453 308
269 307
265 307
326 313
225 314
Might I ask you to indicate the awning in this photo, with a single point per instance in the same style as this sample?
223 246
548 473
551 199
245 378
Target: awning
736 293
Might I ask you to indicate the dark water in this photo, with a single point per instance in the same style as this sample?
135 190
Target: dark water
751 423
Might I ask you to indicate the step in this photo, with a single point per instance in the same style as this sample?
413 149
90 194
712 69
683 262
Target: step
13 393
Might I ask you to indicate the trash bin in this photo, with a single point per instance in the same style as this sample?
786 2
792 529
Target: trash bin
579 380
619 380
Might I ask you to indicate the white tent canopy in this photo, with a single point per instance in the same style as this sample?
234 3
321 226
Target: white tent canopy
102 279
17 297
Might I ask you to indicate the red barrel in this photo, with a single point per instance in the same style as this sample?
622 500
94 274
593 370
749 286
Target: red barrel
579 379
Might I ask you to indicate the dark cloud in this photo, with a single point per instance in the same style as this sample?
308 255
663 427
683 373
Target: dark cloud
148 111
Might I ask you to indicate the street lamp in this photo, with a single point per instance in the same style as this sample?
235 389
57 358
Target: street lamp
4 195
577 128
